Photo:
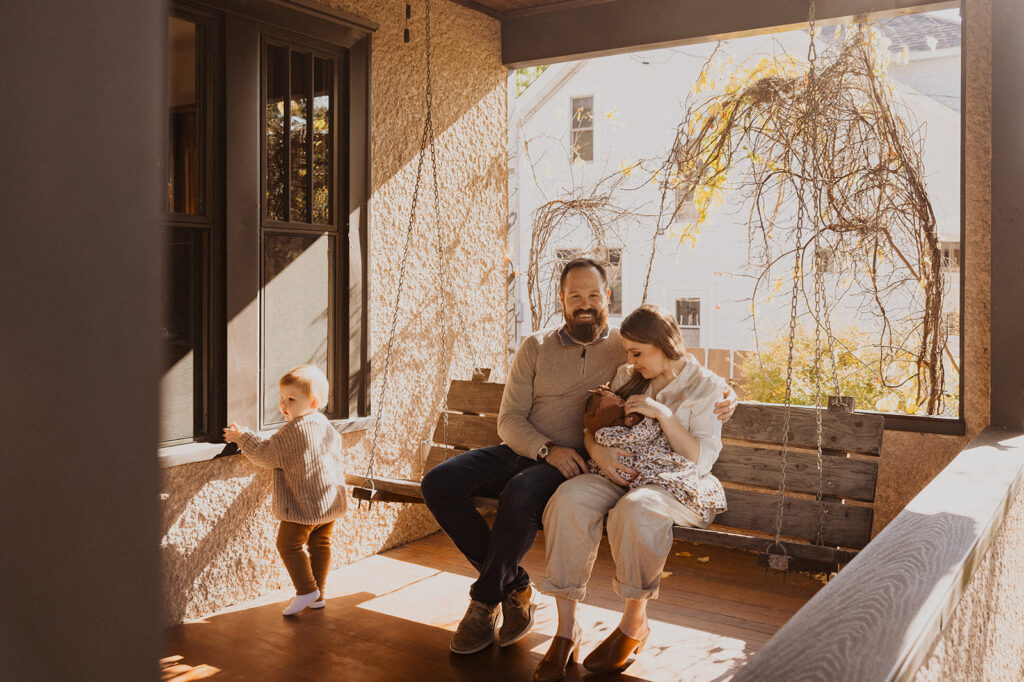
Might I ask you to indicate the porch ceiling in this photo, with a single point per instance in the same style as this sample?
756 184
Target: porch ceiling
545 31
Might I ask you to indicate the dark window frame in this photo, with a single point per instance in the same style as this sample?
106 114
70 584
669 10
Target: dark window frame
234 171
208 223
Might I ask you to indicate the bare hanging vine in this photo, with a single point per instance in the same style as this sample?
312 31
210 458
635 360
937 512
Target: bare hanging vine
878 239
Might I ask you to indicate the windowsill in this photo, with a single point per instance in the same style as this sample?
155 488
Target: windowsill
190 453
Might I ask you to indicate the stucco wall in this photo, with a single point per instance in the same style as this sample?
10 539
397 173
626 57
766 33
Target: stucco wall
218 533
910 460
984 639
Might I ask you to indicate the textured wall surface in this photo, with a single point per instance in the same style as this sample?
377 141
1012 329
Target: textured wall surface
911 460
218 533
984 638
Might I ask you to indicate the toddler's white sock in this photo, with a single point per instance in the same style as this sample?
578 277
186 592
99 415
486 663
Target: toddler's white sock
301 601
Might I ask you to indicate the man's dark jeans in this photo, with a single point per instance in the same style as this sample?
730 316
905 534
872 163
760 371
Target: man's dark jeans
522 487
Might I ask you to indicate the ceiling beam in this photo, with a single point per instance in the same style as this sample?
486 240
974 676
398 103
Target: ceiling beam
575 30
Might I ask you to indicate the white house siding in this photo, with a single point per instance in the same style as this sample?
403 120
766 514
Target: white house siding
639 99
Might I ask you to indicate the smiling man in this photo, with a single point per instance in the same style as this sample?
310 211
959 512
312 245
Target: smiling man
541 424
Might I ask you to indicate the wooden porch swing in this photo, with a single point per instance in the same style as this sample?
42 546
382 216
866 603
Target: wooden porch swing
799 482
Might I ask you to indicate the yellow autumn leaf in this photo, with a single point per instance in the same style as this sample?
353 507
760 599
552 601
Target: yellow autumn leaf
611 114
703 559
778 283
665 574
683 554
626 168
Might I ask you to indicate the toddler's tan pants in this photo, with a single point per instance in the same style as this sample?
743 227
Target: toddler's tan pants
308 573
639 532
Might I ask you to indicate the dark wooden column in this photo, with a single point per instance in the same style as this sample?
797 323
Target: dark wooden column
1007 214
80 163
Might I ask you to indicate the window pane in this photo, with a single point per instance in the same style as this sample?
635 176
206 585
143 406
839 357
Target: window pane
688 312
276 131
583 145
183 180
298 136
323 86
296 309
180 385
582 112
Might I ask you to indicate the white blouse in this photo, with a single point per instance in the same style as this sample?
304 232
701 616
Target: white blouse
691 396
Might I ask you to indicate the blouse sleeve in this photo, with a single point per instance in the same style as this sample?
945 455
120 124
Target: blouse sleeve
704 424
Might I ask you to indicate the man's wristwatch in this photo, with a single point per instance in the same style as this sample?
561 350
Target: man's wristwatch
543 451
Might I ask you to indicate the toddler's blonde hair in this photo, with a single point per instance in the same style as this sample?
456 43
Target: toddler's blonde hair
311 381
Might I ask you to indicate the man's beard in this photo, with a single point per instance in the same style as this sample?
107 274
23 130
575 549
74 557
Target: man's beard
586 331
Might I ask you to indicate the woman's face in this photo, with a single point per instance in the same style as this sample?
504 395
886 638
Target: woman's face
645 358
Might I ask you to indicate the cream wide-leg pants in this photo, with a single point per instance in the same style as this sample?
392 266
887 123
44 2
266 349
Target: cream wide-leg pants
639 532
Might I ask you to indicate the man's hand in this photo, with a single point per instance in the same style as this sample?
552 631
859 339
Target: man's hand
724 408
566 460
607 458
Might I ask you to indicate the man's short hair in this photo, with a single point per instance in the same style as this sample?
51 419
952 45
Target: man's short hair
583 263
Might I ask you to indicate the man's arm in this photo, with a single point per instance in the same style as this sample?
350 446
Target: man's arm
517 400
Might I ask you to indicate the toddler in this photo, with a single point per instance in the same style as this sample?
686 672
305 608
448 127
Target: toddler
309 490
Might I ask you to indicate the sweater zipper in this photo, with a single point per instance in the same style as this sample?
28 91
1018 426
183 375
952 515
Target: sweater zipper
583 355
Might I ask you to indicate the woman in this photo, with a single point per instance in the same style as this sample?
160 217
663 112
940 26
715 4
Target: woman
661 381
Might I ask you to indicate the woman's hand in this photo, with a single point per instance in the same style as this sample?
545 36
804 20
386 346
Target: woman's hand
233 433
725 407
607 459
647 406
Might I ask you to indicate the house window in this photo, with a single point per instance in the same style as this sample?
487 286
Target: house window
686 209
582 129
610 258
688 319
950 257
826 260
192 226
300 242
268 110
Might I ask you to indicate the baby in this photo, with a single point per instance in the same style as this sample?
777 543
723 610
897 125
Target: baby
309 490
652 458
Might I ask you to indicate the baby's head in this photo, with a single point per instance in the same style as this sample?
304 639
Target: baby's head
303 390
607 408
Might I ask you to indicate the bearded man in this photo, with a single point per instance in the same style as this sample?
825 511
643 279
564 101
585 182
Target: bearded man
541 424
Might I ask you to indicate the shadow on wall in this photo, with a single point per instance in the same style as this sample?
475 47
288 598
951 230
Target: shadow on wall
215 515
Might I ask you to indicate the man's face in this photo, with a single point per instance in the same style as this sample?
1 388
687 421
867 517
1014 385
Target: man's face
584 300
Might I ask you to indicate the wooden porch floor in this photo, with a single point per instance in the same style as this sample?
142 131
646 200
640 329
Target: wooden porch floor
390 617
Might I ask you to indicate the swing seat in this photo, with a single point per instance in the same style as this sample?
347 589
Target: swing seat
748 467
472 423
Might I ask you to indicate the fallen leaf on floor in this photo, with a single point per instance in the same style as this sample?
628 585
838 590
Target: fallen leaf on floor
703 559
665 574
683 554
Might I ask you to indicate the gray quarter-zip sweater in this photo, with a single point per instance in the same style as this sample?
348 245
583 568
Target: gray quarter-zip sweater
548 386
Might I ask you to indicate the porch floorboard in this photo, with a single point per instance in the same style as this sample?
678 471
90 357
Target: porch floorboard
390 617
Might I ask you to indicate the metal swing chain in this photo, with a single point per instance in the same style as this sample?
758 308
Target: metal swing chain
797 274
428 131
813 114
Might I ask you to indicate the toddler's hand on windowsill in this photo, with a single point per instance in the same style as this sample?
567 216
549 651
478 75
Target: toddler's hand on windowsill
233 433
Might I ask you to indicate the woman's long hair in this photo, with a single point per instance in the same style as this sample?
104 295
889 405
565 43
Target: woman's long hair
652 325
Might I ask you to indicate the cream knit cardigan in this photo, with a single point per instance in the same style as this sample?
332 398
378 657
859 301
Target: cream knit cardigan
309 485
